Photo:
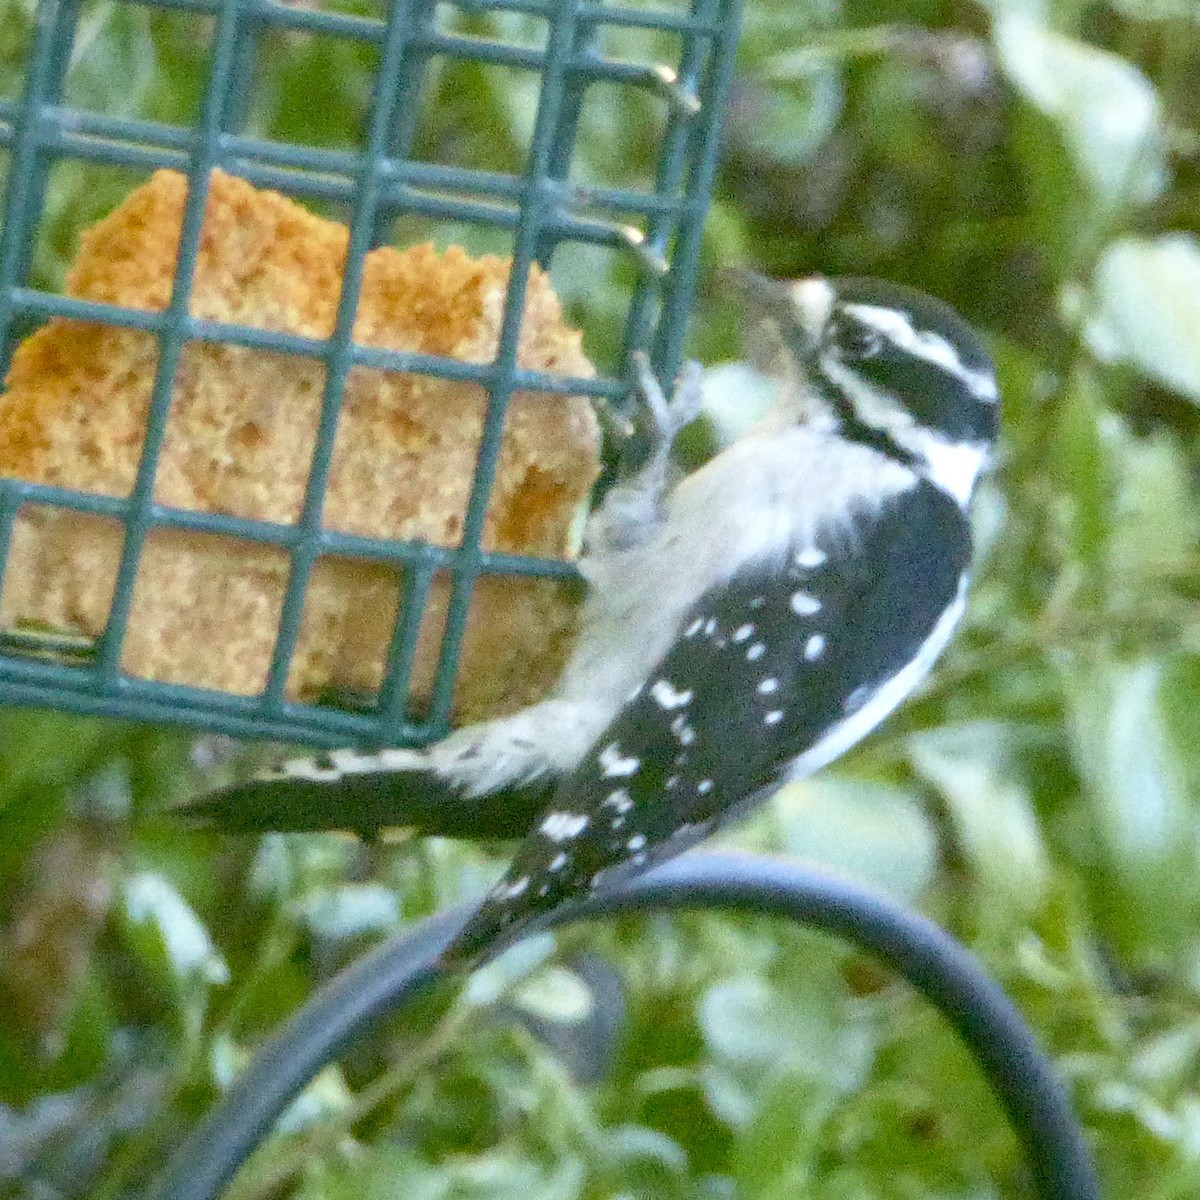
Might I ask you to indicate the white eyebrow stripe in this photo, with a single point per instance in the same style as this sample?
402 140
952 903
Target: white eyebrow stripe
929 345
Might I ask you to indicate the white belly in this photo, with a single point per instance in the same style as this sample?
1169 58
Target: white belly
761 500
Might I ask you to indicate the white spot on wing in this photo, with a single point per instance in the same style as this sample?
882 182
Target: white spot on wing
810 557
665 693
773 717
509 891
351 762
756 652
615 764
814 647
558 862
842 735
636 842
742 632
305 768
398 760
804 605
618 800
683 731
337 764
704 786
561 826
768 685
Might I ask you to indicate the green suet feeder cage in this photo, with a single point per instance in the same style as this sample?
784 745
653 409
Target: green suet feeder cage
539 208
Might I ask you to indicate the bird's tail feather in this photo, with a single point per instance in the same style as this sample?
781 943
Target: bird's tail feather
307 795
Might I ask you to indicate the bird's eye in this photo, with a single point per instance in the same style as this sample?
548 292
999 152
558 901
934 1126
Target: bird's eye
855 341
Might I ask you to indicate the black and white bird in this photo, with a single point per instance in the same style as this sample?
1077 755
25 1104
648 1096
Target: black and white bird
742 630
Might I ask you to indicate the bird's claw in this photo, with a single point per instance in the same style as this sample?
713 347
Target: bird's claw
667 417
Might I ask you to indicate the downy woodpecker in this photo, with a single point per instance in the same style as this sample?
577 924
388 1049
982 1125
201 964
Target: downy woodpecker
740 631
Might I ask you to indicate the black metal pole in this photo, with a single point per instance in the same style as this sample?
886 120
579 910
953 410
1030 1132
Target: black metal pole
928 958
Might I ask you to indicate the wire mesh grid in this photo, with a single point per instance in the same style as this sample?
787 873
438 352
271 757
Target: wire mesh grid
657 228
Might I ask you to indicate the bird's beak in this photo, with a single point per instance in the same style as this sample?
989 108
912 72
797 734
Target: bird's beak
784 328
798 308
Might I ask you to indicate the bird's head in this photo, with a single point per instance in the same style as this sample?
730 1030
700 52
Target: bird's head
891 366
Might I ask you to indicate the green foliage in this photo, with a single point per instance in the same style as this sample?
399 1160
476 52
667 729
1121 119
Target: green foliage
1037 164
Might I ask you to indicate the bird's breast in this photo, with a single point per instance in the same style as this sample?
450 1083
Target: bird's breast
764 498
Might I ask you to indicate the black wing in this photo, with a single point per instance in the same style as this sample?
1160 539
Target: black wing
759 675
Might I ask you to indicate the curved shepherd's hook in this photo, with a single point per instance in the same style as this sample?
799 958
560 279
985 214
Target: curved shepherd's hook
936 965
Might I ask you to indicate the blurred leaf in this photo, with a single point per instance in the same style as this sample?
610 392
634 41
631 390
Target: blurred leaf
172 944
735 397
1156 10
1085 484
41 750
785 1057
351 910
755 1026
744 1022
1143 816
555 994
15 25
1169 1060
869 831
777 1151
974 767
323 1097
113 61
289 866
226 1059
493 980
1105 108
1123 751
1155 515
1146 309
388 1173
929 1115
291 69
1179 700
789 124
501 1176
631 1143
